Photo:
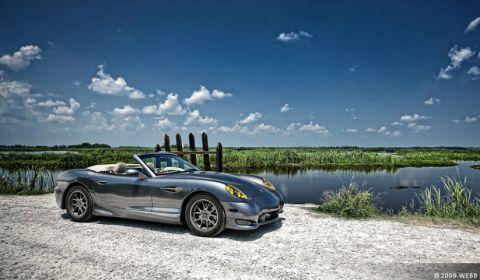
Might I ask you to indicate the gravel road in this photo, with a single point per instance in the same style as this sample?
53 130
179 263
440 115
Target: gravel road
38 240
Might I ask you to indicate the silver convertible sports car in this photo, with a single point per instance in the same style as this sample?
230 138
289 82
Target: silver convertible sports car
163 187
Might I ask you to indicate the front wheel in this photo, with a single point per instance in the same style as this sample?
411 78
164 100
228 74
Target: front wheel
79 204
204 215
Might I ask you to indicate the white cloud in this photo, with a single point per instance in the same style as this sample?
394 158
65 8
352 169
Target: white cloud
14 88
262 128
418 127
457 56
97 122
59 118
252 117
431 101
170 106
67 110
384 131
76 83
129 123
351 130
103 83
293 36
456 121
413 118
474 71
164 123
310 127
396 123
202 95
21 59
220 94
125 111
51 103
285 108
195 117
473 25
470 119
353 68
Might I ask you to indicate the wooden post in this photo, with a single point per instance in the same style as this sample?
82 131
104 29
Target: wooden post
166 142
191 140
179 145
157 148
206 157
218 157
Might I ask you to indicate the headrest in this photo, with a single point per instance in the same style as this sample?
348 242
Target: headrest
120 167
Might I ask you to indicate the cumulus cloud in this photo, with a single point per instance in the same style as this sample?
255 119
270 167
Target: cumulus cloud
293 36
202 95
164 123
14 88
21 59
472 26
104 83
129 123
124 111
252 117
170 106
67 110
418 127
195 117
51 103
96 121
413 118
457 56
456 121
470 119
285 108
351 130
396 123
474 71
431 101
265 128
59 118
310 127
384 131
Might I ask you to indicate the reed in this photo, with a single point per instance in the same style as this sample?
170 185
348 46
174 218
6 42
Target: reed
27 181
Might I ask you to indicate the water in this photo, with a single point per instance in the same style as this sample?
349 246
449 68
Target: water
397 187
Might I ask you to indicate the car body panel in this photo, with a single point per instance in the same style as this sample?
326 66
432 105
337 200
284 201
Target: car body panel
161 198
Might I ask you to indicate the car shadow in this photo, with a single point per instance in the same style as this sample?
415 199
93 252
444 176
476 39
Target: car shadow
237 235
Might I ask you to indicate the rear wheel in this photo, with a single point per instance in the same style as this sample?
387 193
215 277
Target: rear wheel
204 215
79 204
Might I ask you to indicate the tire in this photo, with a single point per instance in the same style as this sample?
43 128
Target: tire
79 204
202 221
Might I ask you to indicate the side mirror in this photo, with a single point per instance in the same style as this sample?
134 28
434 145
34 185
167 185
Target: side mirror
135 173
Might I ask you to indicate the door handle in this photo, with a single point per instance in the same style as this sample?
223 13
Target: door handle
102 182
172 189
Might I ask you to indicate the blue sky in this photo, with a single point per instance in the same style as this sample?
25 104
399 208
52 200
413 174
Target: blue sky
250 73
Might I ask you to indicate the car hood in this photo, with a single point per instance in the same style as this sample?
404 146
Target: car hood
246 183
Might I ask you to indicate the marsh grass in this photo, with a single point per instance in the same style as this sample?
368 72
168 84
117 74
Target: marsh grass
350 202
28 181
451 203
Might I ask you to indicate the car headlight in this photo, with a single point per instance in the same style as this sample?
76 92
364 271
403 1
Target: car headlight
268 184
235 192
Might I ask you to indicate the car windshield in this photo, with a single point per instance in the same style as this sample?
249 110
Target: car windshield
165 163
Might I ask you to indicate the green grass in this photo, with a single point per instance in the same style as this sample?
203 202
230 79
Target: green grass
452 201
28 181
329 158
350 202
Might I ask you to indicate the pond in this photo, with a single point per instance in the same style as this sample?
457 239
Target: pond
396 187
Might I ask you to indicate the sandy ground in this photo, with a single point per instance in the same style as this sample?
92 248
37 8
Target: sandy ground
38 240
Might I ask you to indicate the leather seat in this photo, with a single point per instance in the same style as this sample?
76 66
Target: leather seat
151 165
119 168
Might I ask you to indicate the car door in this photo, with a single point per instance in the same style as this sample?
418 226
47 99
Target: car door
124 196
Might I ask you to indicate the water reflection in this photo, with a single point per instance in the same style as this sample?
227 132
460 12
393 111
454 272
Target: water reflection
397 187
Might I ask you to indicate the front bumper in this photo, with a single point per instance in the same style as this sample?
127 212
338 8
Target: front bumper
59 192
252 214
